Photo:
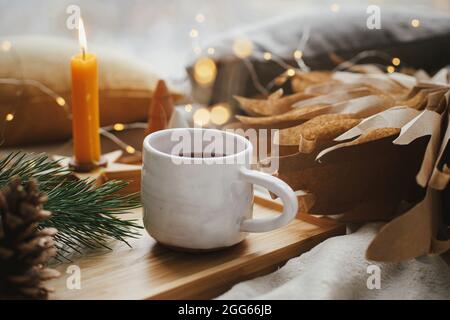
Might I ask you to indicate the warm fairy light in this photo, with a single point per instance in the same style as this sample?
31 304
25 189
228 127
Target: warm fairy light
6 45
415 23
9 117
334 7
395 61
390 69
119 126
267 56
200 18
82 37
298 54
242 47
197 50
60 101
220 114
188 107
130 149
205 71
193 33
211 51
201 116
290 72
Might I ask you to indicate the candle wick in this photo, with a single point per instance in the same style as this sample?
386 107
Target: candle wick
83 52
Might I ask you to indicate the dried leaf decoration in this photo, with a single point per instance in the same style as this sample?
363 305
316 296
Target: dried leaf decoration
320 130
290 118
396 86
369 147
361 102
161 108
356 173
273 105
302 80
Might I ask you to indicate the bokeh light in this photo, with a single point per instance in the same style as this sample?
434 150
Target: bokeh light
119 126
242 47
6 45
220 114
60 101
130 149
201 117
200 18
205 71
298 54
335 7
193 33
395 61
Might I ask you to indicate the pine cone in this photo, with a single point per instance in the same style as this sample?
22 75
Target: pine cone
24 247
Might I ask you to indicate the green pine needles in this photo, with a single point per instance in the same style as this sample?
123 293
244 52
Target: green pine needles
84 214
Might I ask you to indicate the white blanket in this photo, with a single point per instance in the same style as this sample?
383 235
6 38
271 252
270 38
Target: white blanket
337 269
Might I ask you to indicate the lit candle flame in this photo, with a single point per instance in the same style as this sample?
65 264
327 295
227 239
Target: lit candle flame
82 37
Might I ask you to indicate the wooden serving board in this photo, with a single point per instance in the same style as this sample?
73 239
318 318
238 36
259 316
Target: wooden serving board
150 271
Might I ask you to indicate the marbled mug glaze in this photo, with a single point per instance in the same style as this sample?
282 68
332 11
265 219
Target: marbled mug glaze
204 203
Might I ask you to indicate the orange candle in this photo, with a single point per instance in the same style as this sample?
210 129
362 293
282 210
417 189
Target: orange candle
85 110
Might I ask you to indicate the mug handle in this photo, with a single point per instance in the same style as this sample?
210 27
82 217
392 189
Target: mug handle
282 190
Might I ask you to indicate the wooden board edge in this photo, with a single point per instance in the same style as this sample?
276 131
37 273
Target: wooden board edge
254 268
319 221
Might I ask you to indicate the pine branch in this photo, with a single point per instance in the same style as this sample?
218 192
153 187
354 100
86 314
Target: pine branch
85 215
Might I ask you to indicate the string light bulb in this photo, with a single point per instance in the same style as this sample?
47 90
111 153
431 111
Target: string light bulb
220 114
267 56
242 47
6 45
396 61
201 117
9 117
193 33
205 71
298 54
130 149
119 127
200 18
334 7
290 72
415 23
390 69
60 101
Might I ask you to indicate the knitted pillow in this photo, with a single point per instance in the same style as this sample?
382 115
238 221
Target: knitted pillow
126 87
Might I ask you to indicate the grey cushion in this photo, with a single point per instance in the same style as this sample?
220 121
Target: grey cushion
344 33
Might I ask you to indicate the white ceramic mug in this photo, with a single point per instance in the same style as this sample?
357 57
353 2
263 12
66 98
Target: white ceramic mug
204 202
